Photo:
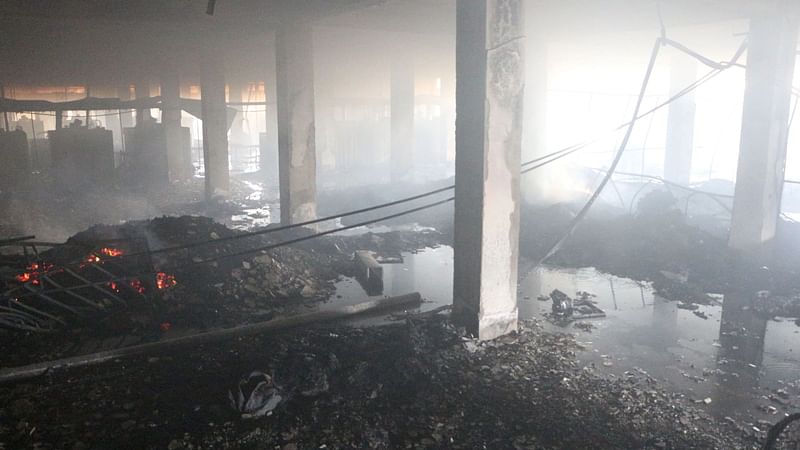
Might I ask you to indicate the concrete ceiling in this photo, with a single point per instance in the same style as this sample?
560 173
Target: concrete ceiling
118 41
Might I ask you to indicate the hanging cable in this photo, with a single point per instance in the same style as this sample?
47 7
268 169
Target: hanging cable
542 161
596 194
584 210
693 86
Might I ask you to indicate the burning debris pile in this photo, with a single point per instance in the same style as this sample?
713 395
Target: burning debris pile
78 282
145 278
88 272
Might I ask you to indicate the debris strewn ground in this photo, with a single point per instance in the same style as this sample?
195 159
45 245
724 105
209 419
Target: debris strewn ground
249 287
413 385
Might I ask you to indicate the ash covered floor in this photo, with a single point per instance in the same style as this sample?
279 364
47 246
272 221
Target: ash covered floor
688 355
419 384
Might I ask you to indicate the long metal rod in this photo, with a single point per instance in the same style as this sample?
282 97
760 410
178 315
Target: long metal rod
19 304
52 300
369 306
71 292
95 286
16 240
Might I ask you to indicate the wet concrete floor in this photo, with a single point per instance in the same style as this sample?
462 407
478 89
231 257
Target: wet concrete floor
733 363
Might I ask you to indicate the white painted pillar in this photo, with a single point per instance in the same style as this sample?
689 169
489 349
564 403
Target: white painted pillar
490 79
178 159
215 125
236 90
124 93
142 89
762 150
680 122
297 163
402 119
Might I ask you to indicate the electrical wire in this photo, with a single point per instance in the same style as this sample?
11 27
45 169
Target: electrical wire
585 209
544 160
300 224
596 194
322 233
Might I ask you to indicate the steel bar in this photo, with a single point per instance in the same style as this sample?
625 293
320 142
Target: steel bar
52 300
70 292
369 306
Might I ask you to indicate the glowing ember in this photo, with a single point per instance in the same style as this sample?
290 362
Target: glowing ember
164 280
24 277
92 258
137 286
32 273
165 326
113 286
108 251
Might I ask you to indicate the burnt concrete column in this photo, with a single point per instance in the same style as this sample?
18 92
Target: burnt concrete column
297 160
490 80
178 161
236 95
680 122
762 149
448 118
215 125
142 88
125 117
402 119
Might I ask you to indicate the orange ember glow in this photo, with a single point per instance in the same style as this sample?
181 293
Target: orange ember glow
113 286
32 273
164 280
137 286
24 277
109 251
92 258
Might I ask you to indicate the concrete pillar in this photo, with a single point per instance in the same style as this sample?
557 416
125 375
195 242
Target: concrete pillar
297 163
680 122
236 94
489 94
268 140
448 120
762 150
124 93
215 125
142 91
177 160
402 119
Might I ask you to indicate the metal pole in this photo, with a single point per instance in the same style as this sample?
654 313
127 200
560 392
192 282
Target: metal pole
88 117
5 113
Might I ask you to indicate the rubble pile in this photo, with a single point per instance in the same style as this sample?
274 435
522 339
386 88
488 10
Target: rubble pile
421 384
200 287
281 274
772 306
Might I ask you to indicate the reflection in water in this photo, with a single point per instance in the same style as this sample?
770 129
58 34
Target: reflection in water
404 274
739 359
664 324
723 357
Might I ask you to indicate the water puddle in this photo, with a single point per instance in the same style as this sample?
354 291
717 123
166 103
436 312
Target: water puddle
733 362
251 218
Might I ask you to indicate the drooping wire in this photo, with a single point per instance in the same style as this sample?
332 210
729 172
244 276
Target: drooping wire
610 172
596 194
